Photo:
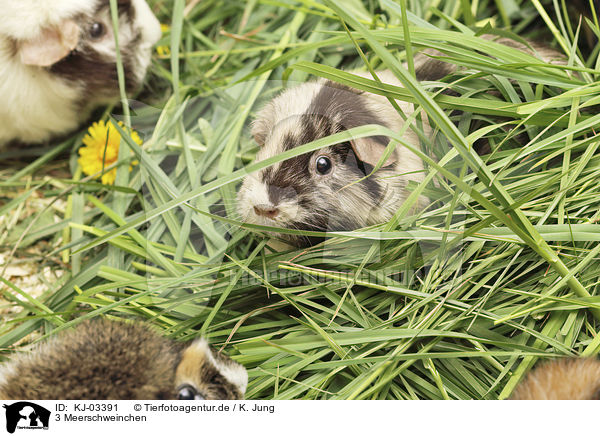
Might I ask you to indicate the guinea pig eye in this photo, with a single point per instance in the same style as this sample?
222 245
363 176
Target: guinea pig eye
96 30
187 392
323 165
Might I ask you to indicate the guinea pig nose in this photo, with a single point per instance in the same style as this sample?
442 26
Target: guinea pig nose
266 210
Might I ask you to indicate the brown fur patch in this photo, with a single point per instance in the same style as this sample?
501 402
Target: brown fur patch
565 379
97 360
109 360
99 77
12 48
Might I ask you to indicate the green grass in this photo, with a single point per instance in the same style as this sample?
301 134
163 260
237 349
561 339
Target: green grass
456 302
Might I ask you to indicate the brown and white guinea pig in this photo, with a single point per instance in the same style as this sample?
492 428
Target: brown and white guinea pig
58 62
326 190
563 379
111 360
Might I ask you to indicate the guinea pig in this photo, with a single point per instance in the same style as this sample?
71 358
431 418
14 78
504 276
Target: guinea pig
116 360
58 62
563 379
327 190
429 68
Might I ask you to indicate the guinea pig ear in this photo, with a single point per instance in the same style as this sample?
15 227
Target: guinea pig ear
369 150
263 124
199 353
51 45
259 131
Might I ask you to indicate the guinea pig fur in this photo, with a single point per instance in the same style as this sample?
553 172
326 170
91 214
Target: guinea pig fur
116 360
430 68
320 191
58 62
562 379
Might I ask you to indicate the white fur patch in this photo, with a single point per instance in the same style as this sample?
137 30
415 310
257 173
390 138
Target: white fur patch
148 23
25 19
151 33
36 105
254 193
234 372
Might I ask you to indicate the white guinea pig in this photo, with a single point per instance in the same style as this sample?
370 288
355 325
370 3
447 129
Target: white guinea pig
326 190
58 62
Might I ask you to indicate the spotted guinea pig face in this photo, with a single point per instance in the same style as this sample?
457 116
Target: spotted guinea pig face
93 60
331 189
326 190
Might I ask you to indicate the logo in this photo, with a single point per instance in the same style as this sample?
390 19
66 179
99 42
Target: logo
26 415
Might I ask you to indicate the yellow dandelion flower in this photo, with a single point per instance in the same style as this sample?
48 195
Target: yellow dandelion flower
163 50
101 149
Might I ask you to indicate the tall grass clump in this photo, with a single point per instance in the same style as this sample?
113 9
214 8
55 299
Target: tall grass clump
455 302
